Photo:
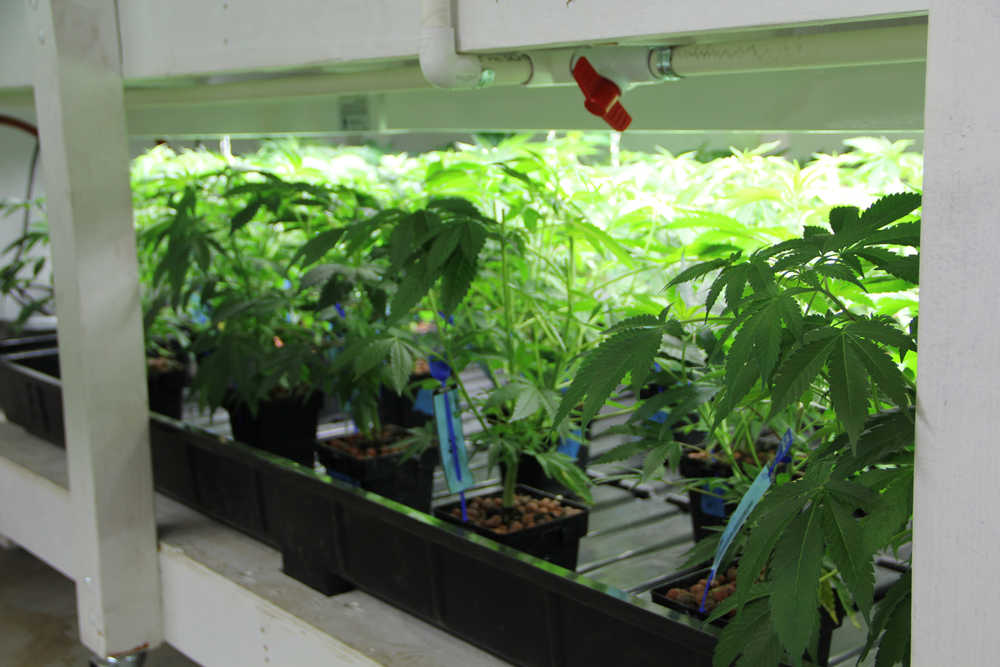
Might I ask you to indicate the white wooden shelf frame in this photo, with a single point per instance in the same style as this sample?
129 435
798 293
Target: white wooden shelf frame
86 51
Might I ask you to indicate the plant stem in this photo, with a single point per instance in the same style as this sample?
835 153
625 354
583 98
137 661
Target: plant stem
510 483
450 360
508 331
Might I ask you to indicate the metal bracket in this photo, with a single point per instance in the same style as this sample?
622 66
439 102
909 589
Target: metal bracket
660 65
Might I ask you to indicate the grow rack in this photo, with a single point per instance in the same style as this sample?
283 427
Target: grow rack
104 71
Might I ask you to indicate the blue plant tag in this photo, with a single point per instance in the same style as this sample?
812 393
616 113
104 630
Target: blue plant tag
660 416
712 503
454 458
570 446
424 402
747 504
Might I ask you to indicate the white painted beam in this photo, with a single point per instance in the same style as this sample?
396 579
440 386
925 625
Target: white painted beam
81 117
225 600
521 24
35 512
956 537
191 39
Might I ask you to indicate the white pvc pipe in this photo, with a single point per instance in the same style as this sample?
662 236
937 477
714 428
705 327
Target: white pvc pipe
849 48
442 66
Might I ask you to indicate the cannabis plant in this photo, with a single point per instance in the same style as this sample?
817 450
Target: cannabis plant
796 338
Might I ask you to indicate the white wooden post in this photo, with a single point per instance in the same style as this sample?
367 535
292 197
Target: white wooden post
79 102
957 491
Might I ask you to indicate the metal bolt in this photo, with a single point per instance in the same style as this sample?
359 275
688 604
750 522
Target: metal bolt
660 65
41 36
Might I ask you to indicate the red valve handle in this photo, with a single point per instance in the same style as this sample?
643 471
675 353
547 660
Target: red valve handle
601 95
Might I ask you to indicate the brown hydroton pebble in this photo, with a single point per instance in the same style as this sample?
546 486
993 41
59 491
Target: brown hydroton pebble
722 587
357 446
528 512
163 364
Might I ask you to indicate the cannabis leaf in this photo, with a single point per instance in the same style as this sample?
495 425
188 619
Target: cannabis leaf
630 349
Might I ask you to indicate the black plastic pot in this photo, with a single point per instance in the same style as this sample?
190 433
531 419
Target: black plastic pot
706 504
400 409
166 392
555 541
285 426
530 473
410 482
686 579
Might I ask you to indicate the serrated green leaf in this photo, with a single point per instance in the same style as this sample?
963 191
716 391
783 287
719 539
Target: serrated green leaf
791 313
896 601
622 452
455 284
795 571
317 246
697 271
847 548
896 510
848 388
838 271
527 403
245 215
905 233
904 267
628 350
371 355
843 217
890 208
713 293
797 373
443 246
763 650
735 284
400 365
777 509
751 623
652 465
885 373
883 332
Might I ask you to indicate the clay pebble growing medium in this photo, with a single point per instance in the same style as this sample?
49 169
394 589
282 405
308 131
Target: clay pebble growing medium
722 586
528 512
361 447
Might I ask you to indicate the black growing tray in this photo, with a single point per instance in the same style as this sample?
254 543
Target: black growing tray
333 536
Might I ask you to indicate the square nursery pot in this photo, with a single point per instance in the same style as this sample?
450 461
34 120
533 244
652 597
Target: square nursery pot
683 580
556 541
285 426
166 391
403 409
410 482
705 505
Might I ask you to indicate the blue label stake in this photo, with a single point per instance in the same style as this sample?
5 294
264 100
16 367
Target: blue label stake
451 440
749 501
570 446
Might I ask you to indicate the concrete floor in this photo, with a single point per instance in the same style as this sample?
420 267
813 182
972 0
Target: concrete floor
38 618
